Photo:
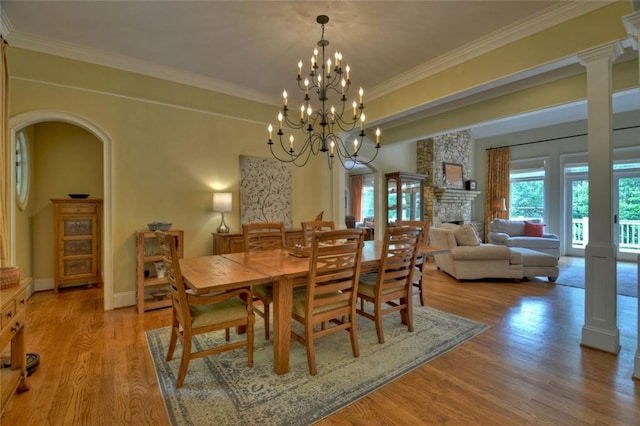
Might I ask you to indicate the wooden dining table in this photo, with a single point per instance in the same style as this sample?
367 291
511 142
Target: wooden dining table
283 268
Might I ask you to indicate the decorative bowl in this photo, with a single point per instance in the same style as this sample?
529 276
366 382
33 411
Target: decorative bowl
159 226
79 196
161 294
163 226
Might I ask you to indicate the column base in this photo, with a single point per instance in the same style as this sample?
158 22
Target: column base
604 340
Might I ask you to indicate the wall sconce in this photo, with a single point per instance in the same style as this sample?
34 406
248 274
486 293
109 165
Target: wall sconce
499 205
222 203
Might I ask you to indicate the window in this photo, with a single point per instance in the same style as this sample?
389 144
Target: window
22 171
527 190
368 207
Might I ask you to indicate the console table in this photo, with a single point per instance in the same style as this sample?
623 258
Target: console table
233 242
13 317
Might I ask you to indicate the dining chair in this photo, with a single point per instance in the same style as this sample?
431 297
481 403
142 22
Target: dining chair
309 227
260 236
193 315
390 289
421 260
328 302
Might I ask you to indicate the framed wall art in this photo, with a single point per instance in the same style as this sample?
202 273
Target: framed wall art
452 174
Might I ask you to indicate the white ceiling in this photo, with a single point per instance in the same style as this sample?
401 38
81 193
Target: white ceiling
251 48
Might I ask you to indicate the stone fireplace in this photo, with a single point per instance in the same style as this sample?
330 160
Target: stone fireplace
441 203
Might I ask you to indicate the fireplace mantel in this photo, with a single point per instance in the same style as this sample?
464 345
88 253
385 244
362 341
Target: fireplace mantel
448 195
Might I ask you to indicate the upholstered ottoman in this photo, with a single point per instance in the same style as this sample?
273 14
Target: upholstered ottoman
536 263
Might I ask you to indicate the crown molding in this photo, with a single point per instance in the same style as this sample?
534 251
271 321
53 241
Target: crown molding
5 25
526 27
125 63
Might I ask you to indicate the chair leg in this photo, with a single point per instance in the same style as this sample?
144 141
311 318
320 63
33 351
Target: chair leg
266 319
378 316
423 297
311 350
250 344
353 333
172 341
409 315
184 364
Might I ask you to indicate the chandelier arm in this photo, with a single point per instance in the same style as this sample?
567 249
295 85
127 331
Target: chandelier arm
320 126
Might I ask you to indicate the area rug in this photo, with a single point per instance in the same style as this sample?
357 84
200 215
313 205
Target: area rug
572 274
222 390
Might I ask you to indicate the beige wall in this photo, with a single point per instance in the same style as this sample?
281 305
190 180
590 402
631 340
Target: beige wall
66 159
167 157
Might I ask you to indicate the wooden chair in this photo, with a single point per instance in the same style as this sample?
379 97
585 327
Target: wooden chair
193 315
390 289
328 304
421 260
308 228
263 236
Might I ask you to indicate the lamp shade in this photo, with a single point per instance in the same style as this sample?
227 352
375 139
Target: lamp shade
499 205
222 201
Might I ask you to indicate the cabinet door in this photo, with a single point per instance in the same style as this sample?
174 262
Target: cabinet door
78 250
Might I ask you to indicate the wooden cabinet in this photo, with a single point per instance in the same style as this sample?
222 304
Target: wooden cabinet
405 192
150 269
76 239
233 242
13 315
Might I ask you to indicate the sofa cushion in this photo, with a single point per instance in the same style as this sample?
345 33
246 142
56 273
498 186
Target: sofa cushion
481 252
466 236
533 229
533 242
511 227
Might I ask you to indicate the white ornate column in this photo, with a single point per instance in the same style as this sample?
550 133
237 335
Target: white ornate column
600 330
632 24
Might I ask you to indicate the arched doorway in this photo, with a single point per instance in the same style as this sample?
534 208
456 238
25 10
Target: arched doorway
21 121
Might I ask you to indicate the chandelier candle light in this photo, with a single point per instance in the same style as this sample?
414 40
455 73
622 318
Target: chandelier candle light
321 124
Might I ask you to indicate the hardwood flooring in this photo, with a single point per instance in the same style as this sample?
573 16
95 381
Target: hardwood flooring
528 368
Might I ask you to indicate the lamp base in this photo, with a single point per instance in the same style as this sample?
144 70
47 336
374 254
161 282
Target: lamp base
223 228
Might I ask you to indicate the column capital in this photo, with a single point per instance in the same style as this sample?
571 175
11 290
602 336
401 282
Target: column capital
632 23
608 51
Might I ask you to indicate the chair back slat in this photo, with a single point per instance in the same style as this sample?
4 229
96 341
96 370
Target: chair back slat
334 272
173 274
260 236
309 227
423 223
398 259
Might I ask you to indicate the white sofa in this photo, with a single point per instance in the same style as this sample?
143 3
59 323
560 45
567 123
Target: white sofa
466 259
472 262
513 233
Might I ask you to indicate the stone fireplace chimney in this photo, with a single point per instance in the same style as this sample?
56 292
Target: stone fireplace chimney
441 202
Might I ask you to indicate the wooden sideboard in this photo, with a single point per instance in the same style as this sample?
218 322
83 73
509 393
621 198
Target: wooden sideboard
233 242
13 317
76 239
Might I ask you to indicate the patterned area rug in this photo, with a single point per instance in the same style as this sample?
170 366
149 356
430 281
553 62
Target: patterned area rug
572 273
222 390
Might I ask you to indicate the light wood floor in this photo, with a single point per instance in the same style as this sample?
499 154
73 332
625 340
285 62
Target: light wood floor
528 368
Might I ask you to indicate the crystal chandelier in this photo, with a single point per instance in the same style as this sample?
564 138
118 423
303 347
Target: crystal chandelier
320 124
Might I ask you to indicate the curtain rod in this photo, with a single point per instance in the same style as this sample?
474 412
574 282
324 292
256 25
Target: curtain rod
557 139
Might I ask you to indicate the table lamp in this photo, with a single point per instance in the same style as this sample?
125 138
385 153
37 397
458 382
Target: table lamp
499 205
222 203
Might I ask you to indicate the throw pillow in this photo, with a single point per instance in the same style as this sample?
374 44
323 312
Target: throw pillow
466 236
533 229
319 216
